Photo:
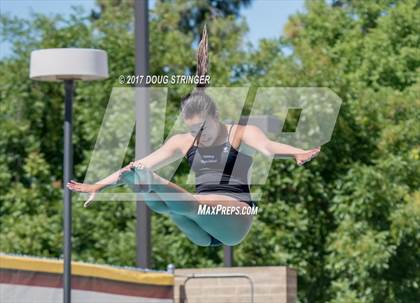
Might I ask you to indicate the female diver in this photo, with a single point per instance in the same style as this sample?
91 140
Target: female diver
212 150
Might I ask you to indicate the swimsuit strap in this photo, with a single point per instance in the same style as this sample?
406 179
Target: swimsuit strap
197 138
228 136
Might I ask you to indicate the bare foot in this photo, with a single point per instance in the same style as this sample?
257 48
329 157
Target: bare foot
144 177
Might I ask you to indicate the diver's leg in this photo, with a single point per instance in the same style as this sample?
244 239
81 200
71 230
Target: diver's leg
178 200
154 202
151 199
229 229
191 229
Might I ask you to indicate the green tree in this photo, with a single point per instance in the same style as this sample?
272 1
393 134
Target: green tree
349 242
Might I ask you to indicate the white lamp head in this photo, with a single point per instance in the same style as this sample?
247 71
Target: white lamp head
56 64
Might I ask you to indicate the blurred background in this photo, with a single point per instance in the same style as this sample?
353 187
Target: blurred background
348 222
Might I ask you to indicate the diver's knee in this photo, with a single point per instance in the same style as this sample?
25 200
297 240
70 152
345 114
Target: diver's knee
233 240
201 241
191 229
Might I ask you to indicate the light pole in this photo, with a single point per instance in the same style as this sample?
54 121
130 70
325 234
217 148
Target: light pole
68 65
141 32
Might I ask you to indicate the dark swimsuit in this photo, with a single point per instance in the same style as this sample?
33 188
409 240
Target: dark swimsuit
216 172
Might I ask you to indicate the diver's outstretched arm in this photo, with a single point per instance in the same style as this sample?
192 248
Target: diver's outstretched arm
110 181
166 153
255 137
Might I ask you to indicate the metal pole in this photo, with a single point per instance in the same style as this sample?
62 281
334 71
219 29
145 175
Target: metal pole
142 126
68 164
228 256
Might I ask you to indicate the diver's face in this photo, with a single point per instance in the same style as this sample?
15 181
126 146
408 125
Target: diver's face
209 126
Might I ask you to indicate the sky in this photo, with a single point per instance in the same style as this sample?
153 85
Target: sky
266 18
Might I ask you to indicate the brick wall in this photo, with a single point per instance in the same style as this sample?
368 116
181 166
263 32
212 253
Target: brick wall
272 284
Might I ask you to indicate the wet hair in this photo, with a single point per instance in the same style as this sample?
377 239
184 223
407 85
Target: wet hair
198 102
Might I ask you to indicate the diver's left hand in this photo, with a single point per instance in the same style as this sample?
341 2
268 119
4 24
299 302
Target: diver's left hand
307 155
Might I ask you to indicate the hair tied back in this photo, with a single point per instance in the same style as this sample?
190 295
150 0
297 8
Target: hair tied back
202 58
